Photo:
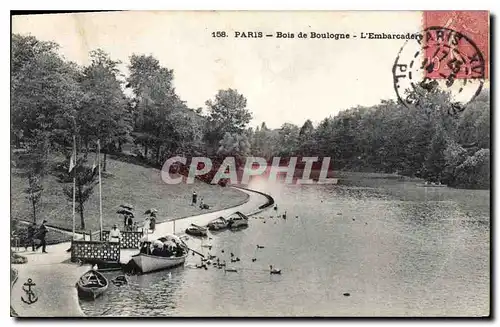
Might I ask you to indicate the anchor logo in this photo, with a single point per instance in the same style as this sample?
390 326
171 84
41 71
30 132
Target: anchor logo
32 298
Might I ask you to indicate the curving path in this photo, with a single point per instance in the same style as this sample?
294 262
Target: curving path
55 276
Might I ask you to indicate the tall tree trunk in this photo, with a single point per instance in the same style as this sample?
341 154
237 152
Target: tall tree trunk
33 204
82 220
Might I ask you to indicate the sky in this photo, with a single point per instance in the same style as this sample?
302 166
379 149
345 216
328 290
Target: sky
284 80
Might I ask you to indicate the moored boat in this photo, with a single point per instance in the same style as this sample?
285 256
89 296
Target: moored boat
237 220
218 224
195 230
426 184
149 263
92 284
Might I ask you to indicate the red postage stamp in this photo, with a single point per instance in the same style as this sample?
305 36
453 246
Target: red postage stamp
450 54
456 44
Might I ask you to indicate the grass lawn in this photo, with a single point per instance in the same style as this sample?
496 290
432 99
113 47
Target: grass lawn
52 237
125 183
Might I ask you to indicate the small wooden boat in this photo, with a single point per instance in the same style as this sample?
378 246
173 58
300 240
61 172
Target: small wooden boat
218 224
92 284
196 231
238 220
427 184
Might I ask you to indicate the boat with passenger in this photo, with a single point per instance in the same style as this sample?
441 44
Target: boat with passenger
164 253
431 184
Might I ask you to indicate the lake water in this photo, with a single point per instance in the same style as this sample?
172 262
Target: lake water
397 249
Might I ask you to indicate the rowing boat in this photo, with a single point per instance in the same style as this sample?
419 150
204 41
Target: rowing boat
149 260
149 263
92 284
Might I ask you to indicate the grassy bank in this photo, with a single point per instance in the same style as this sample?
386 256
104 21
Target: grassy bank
124 183
53 236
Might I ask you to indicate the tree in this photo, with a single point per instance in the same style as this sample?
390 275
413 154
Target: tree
44 91
435 162
288 140
156 107
233 144
104 114
264 141
85 181
227 113
34 192
34 165
306 144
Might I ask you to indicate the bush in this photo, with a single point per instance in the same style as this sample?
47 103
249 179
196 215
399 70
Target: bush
17 259
474 172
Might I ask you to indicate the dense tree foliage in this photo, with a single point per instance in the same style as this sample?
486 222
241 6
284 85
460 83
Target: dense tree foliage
227 113
426 140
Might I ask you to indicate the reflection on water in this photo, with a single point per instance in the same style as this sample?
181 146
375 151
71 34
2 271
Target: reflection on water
397 249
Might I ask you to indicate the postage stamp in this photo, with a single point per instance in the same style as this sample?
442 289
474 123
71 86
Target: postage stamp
452 60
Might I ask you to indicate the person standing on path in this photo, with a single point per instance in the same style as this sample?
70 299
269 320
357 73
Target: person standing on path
30 240
195 198
42 232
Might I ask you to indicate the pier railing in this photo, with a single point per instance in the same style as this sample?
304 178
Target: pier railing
95 251
129 240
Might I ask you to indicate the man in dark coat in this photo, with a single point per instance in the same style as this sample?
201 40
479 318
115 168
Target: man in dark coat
30 237
42 232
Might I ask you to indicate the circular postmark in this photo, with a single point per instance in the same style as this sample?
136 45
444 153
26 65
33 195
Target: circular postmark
439 59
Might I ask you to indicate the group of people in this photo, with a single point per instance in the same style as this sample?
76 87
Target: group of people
129 225
34 233
158 248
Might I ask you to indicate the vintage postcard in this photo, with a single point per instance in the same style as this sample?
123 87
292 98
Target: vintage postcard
250 164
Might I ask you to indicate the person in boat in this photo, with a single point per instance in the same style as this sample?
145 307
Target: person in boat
145 248
157 249
114 234
179 251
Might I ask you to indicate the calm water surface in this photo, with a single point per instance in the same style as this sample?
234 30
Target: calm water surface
397 249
